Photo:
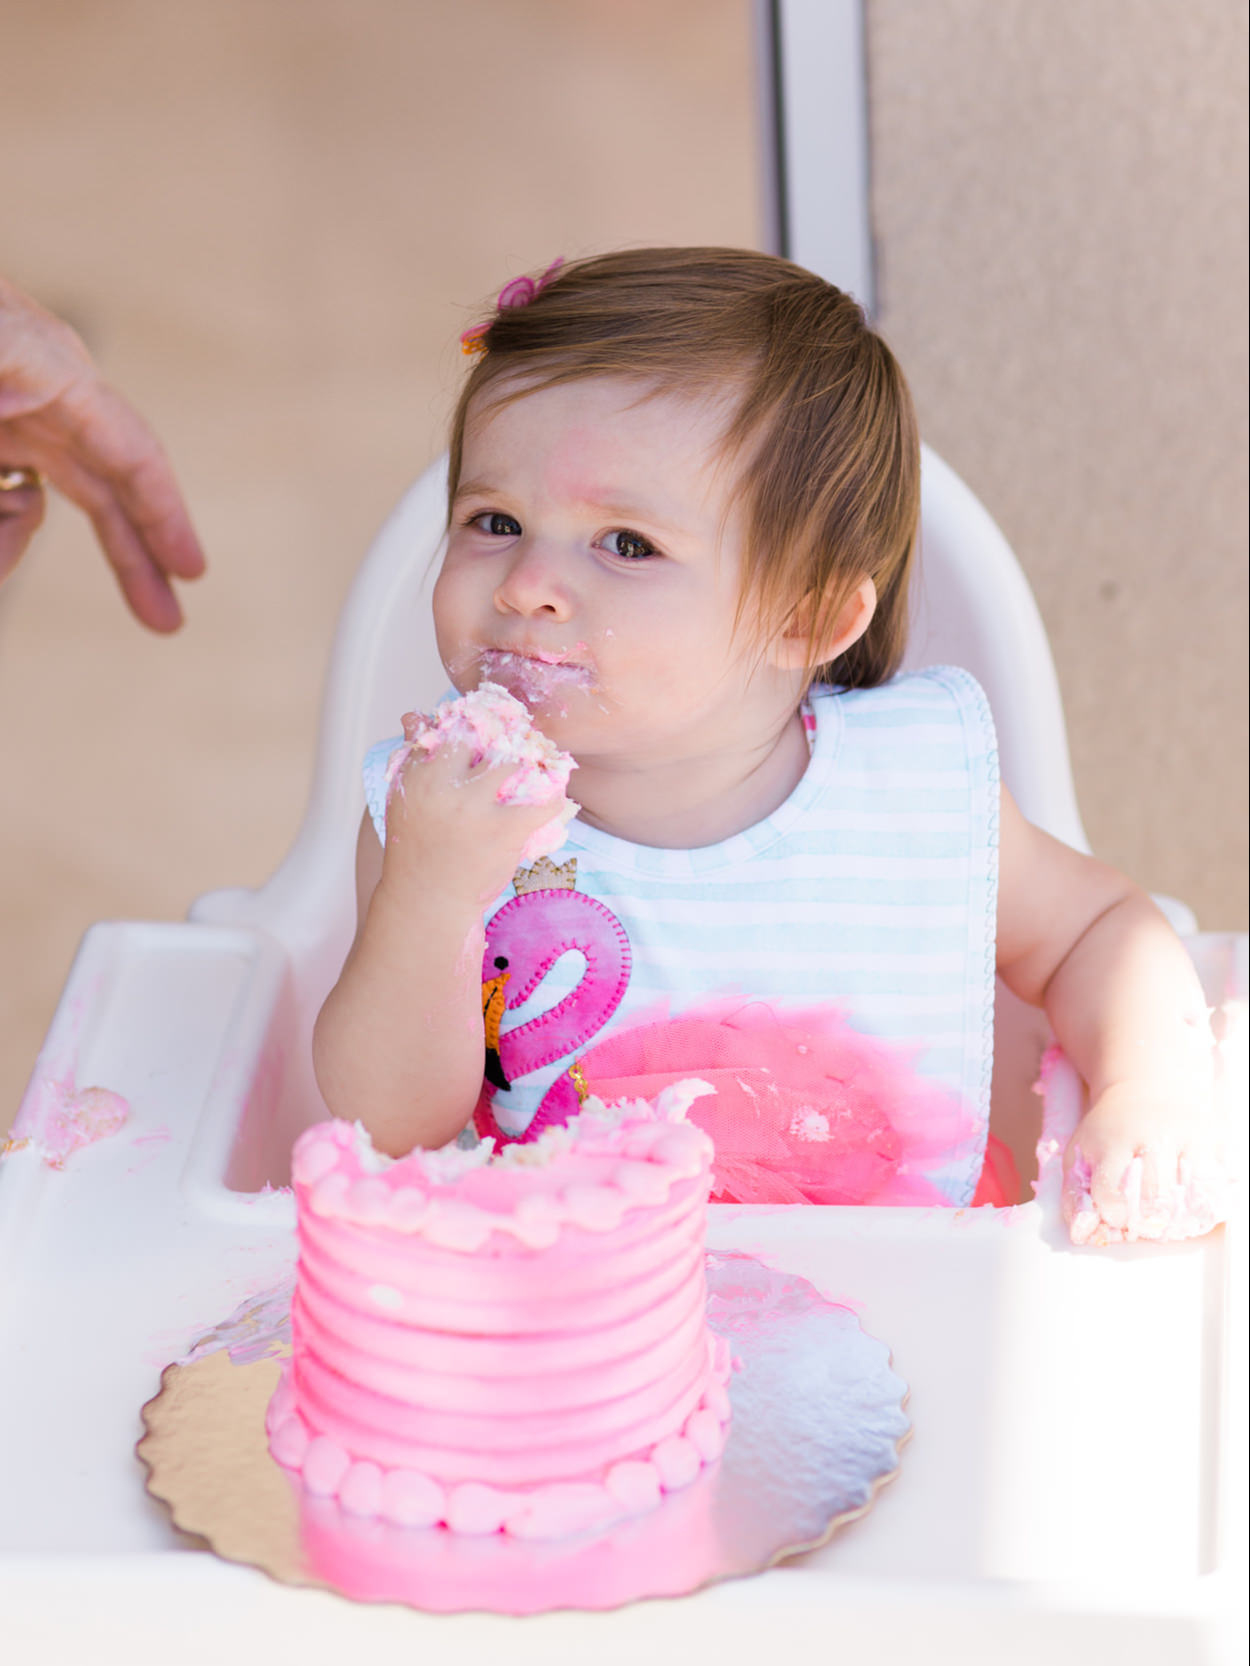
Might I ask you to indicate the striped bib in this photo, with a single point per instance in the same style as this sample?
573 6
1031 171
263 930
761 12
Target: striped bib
869 895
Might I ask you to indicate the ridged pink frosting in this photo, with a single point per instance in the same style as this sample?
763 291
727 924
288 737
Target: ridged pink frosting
511 1342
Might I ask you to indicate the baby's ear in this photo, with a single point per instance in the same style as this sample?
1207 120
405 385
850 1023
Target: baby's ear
792 649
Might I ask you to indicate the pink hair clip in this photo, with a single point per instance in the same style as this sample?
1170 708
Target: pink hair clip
519 292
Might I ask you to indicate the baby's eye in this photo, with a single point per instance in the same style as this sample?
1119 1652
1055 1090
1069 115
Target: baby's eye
498 525
630 546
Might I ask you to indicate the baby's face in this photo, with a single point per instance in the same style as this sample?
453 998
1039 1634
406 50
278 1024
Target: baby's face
593 567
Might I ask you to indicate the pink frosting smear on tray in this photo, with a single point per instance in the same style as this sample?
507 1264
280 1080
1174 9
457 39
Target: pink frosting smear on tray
58 1119
497 729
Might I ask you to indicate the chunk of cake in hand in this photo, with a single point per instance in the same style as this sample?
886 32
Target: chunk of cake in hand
497 730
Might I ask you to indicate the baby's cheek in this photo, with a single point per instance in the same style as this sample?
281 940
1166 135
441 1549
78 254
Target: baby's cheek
451 605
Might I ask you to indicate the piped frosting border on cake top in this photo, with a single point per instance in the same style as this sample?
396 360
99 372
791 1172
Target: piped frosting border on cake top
601 1164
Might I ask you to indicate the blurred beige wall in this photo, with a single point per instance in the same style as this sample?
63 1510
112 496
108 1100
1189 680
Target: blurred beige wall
1059 198
271 218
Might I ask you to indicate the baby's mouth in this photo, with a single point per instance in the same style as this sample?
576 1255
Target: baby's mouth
537 678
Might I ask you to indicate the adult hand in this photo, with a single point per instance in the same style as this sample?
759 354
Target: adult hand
59 420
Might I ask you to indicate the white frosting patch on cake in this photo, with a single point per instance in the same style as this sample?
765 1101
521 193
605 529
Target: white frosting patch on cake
443 1165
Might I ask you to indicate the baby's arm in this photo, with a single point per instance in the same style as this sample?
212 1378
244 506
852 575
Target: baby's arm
399 1042
1124 1001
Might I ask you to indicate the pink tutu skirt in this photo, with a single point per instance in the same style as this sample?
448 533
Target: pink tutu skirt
804 1108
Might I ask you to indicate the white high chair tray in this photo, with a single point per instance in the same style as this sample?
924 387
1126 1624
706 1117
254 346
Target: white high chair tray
1075 1476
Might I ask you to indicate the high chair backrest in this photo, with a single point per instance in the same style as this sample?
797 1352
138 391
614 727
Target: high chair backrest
972 606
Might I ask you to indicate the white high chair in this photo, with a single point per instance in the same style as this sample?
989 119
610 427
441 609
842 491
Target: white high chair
1075 1411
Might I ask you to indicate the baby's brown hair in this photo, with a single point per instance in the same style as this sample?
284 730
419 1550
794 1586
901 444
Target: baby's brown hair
823 420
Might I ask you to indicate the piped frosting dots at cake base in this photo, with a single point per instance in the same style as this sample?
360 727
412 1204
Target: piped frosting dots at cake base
510 1342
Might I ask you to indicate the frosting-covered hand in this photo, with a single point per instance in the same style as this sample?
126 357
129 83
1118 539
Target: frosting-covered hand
1143 1164
449 828
470 754
495 729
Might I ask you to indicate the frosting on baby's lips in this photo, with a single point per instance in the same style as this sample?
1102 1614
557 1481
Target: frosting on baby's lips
537 678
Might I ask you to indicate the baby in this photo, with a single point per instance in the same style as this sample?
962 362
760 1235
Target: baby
684 495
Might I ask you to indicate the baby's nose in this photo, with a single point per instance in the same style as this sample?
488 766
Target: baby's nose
534 584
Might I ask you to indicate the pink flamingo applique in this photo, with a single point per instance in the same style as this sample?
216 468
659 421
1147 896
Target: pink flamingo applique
524 939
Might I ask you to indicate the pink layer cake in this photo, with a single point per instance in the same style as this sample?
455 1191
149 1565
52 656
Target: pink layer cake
510 1342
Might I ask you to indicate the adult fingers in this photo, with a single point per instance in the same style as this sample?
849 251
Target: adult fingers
21 510
101 456
149 594
115 445
115 470
57 414
40 354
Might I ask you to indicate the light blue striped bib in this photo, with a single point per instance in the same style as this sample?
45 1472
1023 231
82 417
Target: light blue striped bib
872 888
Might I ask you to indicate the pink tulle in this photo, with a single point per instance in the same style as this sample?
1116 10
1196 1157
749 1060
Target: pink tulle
806 1109
999 1185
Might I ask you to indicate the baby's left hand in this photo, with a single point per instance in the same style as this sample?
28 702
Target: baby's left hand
1143 1164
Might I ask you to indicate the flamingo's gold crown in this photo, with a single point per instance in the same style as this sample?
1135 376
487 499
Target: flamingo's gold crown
546 875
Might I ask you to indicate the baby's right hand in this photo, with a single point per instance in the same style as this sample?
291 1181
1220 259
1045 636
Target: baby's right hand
1145 1164
447 830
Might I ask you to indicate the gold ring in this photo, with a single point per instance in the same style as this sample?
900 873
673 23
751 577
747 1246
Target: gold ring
17 479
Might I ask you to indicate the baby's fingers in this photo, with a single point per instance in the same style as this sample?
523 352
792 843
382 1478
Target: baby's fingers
1102 1185
1158 1175
446 812
1115 1187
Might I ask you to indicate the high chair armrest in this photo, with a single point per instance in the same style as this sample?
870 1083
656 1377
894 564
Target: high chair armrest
183 1026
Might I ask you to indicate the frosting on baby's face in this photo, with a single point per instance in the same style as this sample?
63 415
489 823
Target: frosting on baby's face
540 680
